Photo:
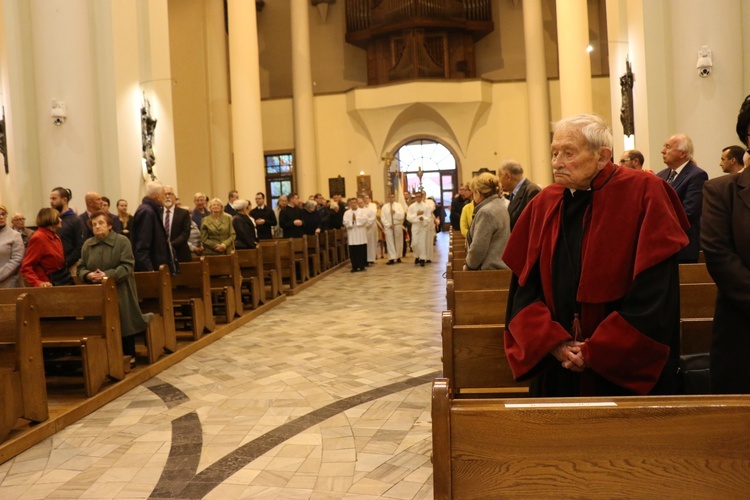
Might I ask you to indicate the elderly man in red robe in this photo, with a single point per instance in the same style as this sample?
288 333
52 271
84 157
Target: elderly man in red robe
594 303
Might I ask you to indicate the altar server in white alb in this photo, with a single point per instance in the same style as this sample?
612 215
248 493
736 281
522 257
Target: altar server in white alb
392 216
356 223
421 218
372 231
432 228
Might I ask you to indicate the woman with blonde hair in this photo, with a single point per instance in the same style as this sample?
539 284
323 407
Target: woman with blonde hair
217 231
490 229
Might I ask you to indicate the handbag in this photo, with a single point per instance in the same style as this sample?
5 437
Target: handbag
61 277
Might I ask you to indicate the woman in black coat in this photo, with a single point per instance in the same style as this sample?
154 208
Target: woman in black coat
244 226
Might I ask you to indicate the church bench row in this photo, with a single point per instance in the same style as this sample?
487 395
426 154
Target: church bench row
23 393
84 319
634 447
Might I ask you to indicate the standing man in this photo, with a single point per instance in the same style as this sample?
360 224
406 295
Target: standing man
372 230
633 159
177 224
725 238
265 218
323 212
420 218
200 211
520 189
151 247
71 231
732 159
94 203
593 308
462 198
19 224
687 180
232 197
290 218
392 216
356 222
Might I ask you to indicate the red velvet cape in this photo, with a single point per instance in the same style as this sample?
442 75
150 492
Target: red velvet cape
635 221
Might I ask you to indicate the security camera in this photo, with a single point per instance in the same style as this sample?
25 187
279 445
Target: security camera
58 113
705 64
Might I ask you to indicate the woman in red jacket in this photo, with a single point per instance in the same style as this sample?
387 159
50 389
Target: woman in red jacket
44 254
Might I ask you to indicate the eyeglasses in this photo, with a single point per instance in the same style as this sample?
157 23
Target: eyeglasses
3 214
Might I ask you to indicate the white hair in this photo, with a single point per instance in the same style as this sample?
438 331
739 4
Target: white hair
240 205
595 131
153 188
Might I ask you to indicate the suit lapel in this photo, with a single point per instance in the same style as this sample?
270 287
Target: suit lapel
743 184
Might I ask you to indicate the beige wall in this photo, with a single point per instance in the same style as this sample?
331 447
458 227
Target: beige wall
355 128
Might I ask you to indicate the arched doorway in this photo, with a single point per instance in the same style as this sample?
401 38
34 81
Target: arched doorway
439 173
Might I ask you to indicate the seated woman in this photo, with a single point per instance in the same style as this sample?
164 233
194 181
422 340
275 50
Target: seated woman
217 232
490 229
11 251
44 262
109 255
244 226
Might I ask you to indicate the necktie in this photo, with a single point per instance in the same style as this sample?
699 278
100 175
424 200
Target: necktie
167 223
671 177
512 195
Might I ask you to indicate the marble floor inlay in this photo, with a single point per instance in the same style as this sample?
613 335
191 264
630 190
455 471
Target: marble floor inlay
325 396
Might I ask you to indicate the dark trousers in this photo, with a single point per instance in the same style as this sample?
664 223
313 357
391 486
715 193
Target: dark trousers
358 255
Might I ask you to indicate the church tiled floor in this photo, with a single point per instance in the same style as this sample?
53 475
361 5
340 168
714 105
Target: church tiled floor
325 396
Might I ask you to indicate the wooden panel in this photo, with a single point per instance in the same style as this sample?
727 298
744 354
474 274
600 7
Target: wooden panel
481 280
672 447
695 273
697 300
695 335
480 307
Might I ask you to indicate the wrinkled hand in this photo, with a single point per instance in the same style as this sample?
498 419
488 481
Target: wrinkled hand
96 276
220 248
45 284
569 355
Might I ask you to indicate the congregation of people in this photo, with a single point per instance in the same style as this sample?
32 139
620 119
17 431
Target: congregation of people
594 287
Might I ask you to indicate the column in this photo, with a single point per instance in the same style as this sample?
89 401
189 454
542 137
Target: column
574 61
247 129
540 170
304 118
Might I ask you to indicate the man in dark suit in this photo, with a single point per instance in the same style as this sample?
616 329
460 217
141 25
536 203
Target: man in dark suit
459 202
179 225
521 189
148 236
264 217
726 243
687 180
290 218
93 204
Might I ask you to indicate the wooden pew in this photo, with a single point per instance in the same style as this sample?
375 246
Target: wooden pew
476 306
474 359
316 258
155 296
226 285
329 246
633 447
23 393
301 258
288 273
481 280
85 318
694 273
341 244
191 288
271 267
251 267
697 304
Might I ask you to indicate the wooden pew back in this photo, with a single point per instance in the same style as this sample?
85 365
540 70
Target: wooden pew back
251 267
226 281
86 317
697 300
473 307
272 264
194 283
23 393
155 295
695 273
482 280
639 447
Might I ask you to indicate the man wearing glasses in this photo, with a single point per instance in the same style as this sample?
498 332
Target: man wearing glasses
19 224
